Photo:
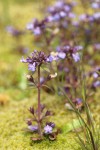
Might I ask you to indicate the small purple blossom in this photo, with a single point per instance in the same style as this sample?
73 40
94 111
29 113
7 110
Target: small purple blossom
76 57
29 26
63 14
51 124
95 75
61 55
32 128
42 79
50 59
95 5
96 15
59 4
82 17
23 60
13 31
78 100
96 84
67 8
79 47
71 15
37 31
47 129
32 67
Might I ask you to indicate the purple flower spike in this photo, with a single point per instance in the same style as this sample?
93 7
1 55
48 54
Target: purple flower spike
76 57
61 55
32 128
47 129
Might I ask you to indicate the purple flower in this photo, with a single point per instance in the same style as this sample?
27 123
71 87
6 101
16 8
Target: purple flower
67 8
29 26
47 129
61 55
51 124
96 84
83 17
56 17
50 59
62 14
77 48
78 100
32 128
23 60
42 79
53 56
71 15
76 57
32 67
50 18
15 32
95 5
95 75
96 15
59 4
37 31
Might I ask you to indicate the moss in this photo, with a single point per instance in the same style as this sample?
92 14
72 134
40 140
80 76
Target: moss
13 121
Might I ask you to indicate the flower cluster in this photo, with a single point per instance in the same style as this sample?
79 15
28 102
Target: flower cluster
69 51
60 10
65 51
89 18
37 27
36 59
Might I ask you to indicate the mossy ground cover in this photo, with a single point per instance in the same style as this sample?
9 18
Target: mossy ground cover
17 98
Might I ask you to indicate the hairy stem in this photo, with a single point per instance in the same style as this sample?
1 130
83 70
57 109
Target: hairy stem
39 104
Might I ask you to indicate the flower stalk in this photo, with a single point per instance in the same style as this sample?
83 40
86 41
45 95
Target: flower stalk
39 104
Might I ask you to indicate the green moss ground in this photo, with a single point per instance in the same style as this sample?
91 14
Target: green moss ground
12 85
